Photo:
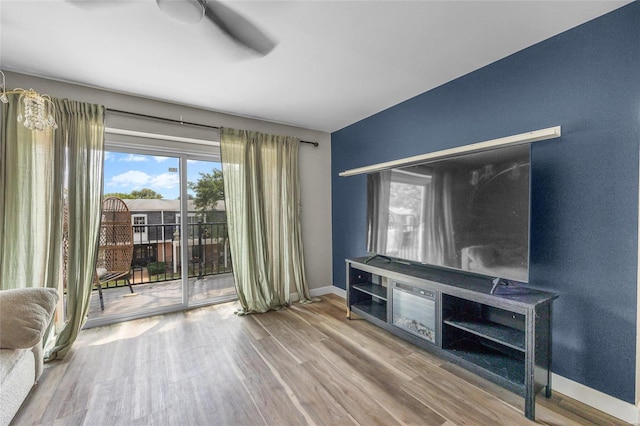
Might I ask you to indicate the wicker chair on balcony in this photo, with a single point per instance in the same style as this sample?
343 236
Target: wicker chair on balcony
115 252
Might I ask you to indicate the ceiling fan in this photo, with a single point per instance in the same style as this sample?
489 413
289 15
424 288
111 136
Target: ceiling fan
229 21
234 25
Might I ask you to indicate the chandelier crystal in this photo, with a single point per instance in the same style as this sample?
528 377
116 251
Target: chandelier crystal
35 111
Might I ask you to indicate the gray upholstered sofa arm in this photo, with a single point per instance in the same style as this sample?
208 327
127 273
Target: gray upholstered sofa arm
25 315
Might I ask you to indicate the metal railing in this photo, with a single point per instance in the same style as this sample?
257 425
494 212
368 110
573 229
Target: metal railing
158 247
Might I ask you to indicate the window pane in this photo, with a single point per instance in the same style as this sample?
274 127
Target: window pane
150 187
210 276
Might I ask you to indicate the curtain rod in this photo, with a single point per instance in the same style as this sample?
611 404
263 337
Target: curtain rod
170 120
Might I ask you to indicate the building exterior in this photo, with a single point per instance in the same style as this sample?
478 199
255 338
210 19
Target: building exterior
156 234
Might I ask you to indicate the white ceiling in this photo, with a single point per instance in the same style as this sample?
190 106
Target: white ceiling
336 63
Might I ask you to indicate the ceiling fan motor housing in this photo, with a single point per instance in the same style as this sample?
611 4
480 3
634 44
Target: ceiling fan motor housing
184 11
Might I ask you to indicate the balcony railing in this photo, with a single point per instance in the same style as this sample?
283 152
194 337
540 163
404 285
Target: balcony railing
158 247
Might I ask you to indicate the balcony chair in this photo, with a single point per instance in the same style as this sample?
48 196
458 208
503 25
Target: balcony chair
115 252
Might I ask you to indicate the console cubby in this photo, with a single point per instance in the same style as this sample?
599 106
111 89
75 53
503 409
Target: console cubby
500 326
368 294
492 358
477 334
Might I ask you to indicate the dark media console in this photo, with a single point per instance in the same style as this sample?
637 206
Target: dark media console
495 329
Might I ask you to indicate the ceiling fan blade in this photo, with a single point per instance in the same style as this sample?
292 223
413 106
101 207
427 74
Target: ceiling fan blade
238 27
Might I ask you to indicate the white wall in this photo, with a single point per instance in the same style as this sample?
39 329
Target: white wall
315 163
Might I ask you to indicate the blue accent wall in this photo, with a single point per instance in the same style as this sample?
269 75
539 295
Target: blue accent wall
584 200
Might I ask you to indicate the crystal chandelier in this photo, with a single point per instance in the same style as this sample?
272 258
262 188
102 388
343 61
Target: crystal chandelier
35 111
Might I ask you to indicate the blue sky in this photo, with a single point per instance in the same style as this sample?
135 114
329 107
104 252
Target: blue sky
130 172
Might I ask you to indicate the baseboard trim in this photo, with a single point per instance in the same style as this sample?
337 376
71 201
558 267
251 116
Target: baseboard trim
321 291
330 289
606 403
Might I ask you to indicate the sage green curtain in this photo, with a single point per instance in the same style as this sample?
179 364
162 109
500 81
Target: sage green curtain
29 204
81 133
262 199
44 174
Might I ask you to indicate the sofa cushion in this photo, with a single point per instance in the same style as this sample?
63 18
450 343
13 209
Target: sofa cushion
17 376
25 314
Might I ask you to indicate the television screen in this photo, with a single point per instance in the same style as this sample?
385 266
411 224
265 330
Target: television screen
469 212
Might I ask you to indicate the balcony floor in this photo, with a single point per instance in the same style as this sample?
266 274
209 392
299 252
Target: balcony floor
120 301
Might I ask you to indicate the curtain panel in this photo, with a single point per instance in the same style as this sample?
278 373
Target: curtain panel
28 199
262 198
43 175
81 135
378 196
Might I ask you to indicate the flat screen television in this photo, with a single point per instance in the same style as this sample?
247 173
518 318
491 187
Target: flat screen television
469 212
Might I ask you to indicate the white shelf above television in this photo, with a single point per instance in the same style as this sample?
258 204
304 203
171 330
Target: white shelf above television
522 138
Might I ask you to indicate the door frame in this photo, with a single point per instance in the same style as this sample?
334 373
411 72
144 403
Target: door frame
183 155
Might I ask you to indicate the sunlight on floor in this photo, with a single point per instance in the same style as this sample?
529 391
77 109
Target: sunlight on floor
128 330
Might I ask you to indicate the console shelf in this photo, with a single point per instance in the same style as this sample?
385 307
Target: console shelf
495 332
376 310
503 338
509 368
373 290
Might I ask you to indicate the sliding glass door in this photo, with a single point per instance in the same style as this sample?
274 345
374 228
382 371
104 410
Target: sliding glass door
210 270
178 224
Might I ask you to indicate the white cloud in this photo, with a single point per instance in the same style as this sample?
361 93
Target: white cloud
192 161
132 179
134 158
108 156
165 180
160 159
136 179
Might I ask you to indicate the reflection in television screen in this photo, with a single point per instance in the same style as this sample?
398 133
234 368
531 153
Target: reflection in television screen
469 212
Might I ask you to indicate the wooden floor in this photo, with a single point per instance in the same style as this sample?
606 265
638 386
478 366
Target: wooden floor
306 364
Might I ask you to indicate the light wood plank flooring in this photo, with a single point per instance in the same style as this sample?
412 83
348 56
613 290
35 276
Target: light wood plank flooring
306 364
